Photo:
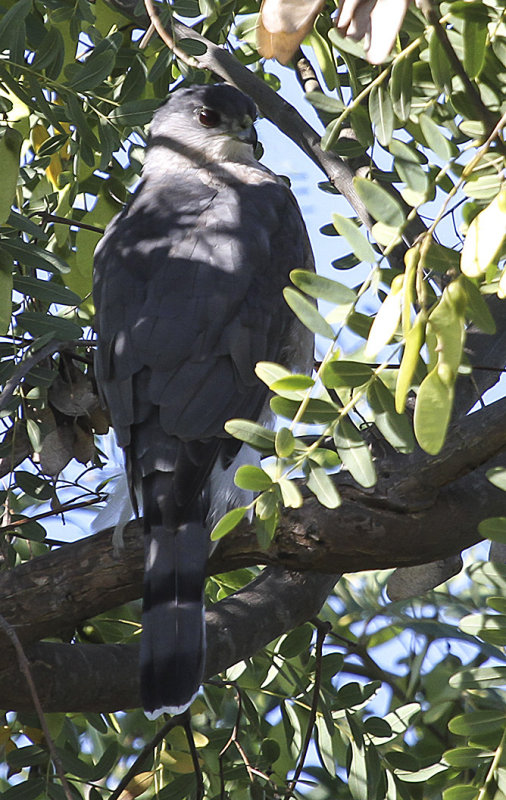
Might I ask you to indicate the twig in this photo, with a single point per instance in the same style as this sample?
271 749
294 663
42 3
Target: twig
322 629
148 748
25 669
47 217
54 512
195 759
169 40
234 739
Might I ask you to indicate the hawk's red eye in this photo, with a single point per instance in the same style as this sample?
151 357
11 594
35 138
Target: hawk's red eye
209 118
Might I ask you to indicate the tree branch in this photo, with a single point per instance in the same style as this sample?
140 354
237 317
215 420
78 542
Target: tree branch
54 593
105 677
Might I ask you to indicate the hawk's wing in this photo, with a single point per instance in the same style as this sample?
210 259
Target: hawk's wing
188 292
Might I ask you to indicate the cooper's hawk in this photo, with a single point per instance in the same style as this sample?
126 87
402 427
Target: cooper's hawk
188 293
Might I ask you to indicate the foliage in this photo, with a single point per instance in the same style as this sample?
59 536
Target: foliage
76 92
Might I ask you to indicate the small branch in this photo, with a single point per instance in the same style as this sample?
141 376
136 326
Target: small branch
234 740
148 748
187 725
167 38
70 506
322 629
25 669
47 217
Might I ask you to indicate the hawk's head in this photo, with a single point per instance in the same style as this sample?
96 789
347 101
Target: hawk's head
206 123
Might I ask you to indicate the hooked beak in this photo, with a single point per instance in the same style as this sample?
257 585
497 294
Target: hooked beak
248 135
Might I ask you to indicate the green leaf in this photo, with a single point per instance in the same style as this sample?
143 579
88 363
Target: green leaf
441 69
11 21
410 359
134 112
32 789
474 37
438 143
10 150
376 726
386 321
34 486
88 74
421 775
354 453
290 493
497 476
271 750
6 284
476 723
321 101
477 308
466 757
358 772
441 259
396 428
461 792
342 374
401 87
297 641
47 291
316 412
323 288
493 528
362 248
251 432
408 166
307 313
39 324
479 678
266 506
268 372
432 412
193 47
285 443
322 486
379 202
489 627
485 237
228 523
31 255
252 478
381 112
292 383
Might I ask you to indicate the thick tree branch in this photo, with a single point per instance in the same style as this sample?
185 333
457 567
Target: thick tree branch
105 677
54 593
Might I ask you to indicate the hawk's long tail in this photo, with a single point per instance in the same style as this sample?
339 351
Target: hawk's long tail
173 636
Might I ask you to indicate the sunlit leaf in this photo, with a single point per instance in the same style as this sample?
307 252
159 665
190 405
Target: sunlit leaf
354 453
322 486
252 478
382 114
227 523
307 313
379 202
484 238
362 248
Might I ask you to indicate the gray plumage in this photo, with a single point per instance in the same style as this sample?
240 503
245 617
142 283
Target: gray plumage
188 293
